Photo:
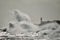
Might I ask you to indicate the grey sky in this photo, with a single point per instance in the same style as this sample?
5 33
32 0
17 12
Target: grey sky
47 9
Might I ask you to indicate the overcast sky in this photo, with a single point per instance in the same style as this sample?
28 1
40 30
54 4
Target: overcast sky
47 9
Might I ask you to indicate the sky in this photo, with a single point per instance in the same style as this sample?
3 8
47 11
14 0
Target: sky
47 9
